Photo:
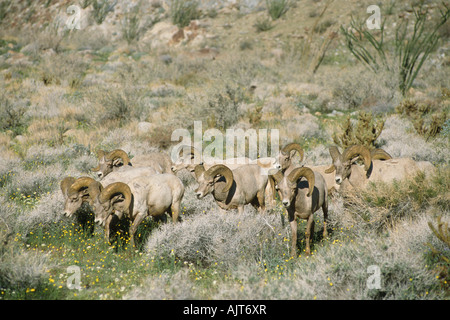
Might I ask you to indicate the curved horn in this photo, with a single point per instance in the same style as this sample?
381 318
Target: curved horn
293 146
380 154
198 170
80 183
360 150
278 176
334 152
118 153
94 189
115 189
330 169
101 153
303 172
224 171
65 184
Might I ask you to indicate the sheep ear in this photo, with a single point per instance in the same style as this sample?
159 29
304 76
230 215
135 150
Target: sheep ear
334 152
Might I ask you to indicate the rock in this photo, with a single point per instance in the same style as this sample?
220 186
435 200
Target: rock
335 113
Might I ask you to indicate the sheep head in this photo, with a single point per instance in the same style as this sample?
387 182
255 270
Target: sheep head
211 179
107 161
77 193
65 185
342 163
186 159
287 185
284 158
114 199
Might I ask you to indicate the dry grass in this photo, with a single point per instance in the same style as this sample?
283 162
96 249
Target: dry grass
88 90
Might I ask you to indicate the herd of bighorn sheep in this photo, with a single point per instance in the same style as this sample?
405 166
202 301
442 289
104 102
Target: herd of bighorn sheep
148 185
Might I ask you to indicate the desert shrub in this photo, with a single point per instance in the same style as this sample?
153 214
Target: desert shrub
364 132
101 9
130 27
182 12
385 204
277 8
223 108
207 239
442 257
426 122
4 9
21 270
339 270
263 24
12 116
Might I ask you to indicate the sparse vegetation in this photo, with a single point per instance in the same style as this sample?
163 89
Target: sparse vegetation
277 8
183 12
102 8
364 132
411 48
126 80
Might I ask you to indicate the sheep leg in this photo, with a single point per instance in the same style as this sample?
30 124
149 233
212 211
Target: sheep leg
241 209
271 192
309 230
175 211
293 237
262 205
325 219
108 228
133 228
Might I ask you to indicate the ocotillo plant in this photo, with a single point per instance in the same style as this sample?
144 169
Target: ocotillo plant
411 49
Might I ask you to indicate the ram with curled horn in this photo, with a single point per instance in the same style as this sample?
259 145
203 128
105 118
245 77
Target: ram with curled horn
188 157
378 166
76 193
233 189
143 196
302 198
284 161
118 160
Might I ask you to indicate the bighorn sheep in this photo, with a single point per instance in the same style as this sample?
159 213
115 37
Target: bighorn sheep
141 197
301 199
119 160
284 161
127 175
232 189
329 173
191 158
76 192
373 170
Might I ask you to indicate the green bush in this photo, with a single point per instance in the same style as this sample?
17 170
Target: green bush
101 9
365 132
182 12
12 116
263 24
411 49
277 8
